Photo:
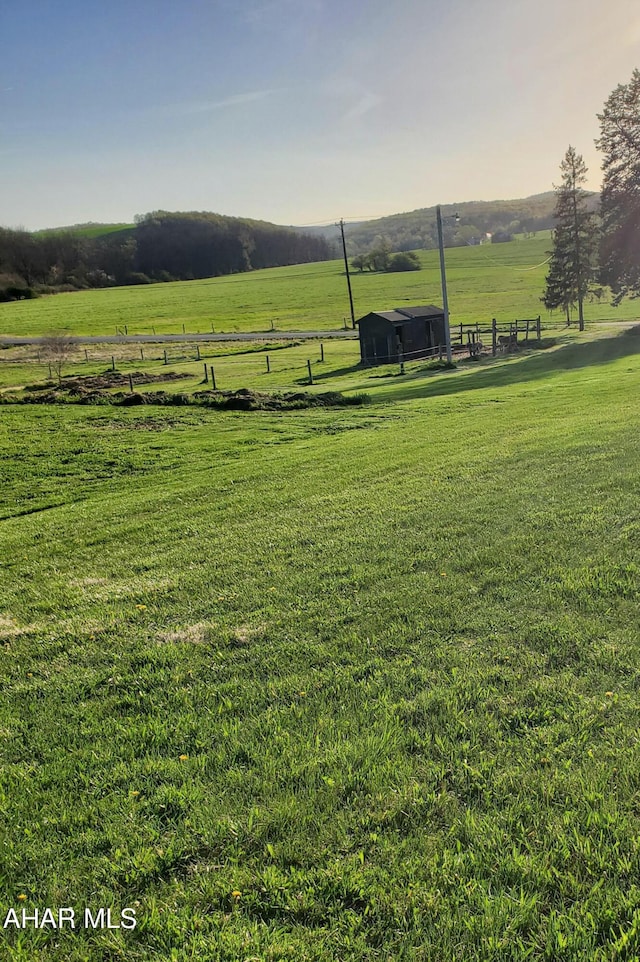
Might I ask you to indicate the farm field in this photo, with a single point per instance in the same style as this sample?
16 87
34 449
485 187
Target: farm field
357 684
89 230
504 281
267 367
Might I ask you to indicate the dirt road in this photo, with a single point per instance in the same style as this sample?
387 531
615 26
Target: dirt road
11 340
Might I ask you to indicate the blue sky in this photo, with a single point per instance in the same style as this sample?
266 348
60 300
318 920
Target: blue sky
297 111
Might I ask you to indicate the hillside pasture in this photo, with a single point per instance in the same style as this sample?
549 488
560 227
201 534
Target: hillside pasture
89 230
356 685
243 365
504 281
264 366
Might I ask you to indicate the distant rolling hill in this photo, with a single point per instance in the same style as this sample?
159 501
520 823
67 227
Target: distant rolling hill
414 229
417 229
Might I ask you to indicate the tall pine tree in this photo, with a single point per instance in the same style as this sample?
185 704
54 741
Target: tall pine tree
620 206
571 267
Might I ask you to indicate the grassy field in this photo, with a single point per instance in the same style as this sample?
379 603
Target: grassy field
356 685
237 364
504 281
90 230
270 367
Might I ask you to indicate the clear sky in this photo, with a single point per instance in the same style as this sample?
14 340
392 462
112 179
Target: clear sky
297 111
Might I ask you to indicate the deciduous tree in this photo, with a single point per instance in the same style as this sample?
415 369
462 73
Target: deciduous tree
404 261
56 350
380 253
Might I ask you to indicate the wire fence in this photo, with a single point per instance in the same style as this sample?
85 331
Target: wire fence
472 340
116 360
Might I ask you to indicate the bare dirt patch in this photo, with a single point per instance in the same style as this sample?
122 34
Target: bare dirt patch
246 634
241 400
87 582
78 385
9 628
198 634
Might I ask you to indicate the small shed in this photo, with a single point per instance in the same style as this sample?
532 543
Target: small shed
410 332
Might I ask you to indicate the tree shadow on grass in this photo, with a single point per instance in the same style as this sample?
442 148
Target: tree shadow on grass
519 369
337 372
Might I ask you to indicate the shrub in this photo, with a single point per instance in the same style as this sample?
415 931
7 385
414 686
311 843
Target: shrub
137 277
404 261
13 293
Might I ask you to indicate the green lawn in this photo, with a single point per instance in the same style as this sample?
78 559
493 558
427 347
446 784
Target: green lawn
504 281
375 671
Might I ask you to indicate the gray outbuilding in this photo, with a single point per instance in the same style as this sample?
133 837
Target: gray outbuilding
387 337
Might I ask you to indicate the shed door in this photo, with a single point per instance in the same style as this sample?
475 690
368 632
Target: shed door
381 350
392 350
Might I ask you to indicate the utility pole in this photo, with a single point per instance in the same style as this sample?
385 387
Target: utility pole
445 301
346 267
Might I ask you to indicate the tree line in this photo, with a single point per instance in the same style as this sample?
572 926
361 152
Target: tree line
162 246
595 250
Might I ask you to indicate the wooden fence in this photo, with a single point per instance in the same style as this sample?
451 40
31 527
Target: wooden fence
503 337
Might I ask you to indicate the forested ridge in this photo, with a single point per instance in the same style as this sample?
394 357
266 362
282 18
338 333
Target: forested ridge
417 229
161 246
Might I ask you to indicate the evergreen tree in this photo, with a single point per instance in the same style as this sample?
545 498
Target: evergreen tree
559 294
620 207
571 267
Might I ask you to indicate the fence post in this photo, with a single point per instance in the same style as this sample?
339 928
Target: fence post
538 328
86 354
183 330
460 332
165 355
113 363
198 352
526 336
310 372
141 354
268 365
130 384
206 375
213 379
153 329
439 352
126 330
494 336
322 352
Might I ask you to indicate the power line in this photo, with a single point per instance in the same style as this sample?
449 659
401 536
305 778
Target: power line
351 217
510 267
532 268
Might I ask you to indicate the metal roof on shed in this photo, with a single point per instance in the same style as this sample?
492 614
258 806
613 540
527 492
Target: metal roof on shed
402 315
394 316
427 310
